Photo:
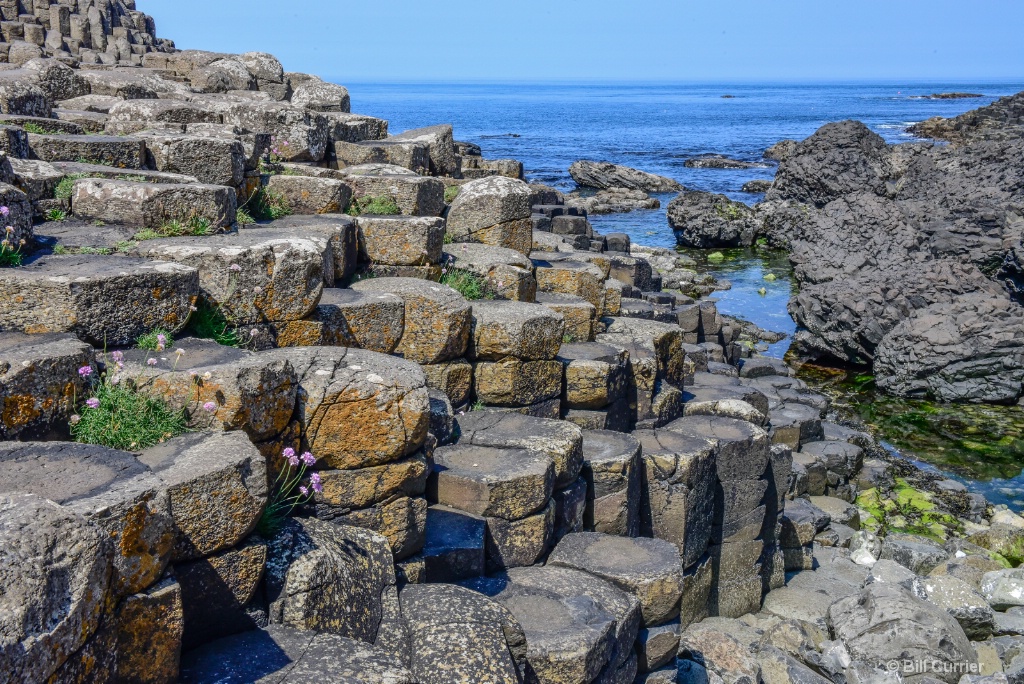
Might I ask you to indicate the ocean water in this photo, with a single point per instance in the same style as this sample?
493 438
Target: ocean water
657 127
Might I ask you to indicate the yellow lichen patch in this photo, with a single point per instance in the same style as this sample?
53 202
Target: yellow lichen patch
19 410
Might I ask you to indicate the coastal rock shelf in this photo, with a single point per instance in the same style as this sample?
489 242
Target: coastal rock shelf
519 451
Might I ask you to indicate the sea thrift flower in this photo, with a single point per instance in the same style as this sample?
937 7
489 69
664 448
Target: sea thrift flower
316 483
305 492
9 230
117 356
76 419
257 290
179 351
4 211
92 403
151 362
308 458
85 371
209 407
236 267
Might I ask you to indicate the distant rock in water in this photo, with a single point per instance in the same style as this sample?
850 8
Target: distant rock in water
613 201
756 187
718 161
728 97
951 96
605 175
1004 117
780 150
704 220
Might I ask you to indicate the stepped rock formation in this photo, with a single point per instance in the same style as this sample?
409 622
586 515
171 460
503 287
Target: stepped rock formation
536 453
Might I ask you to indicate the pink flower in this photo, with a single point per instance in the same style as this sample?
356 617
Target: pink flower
117 356
92 403
285 143
304 491
209 407
316 483
85 371
151 362
288 452
4 211
308 458
76 419
235 267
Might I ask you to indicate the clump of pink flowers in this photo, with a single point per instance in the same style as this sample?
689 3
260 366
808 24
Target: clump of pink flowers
291 488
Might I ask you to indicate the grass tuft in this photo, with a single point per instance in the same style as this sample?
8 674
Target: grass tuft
67 185
265 205
193 226
450 193
126 419
467 284
244 218
209 323
384 205
56 215
151 340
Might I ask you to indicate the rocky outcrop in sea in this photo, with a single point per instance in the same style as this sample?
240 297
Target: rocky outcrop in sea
908 257
285 397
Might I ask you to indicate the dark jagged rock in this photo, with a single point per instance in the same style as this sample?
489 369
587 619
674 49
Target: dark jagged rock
703 220
901 253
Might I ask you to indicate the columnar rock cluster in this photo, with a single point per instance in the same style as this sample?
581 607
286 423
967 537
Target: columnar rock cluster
85 31
530 457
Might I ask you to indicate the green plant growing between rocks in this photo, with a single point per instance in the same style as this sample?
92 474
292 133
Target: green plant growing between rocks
244 218
156 340
288 491
32 127
10 253
208 322
116 415
67 185
450 193
266 205
56 215
194 225
465 283
383 205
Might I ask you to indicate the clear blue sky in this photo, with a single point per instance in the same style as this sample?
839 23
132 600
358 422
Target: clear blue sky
639 40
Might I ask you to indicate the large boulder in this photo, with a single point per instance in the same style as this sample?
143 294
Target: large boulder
493 211
56 567
106 300
39 381
217 488
330 578
443 160
885 623
437 318
358 408
704 220
252 277
458 635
